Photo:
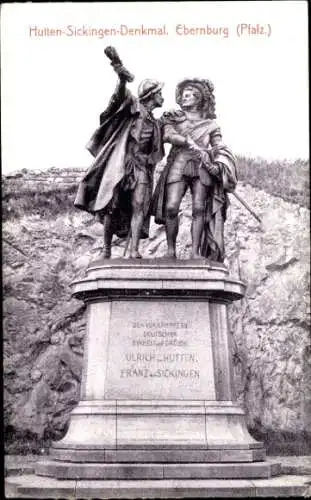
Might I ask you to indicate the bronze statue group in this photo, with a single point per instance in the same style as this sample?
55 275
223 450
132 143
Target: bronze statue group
118 187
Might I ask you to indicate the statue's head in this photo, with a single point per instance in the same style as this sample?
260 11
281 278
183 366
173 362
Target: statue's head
151 90
195 93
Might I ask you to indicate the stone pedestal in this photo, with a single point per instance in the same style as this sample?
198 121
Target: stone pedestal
157 394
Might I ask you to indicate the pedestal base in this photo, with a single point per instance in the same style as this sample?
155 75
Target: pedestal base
157 397
157 425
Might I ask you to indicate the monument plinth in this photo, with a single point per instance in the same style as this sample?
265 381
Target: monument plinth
157 393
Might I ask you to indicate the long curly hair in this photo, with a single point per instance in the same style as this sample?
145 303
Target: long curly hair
206 89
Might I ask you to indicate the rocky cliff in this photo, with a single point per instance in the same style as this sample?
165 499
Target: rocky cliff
47 243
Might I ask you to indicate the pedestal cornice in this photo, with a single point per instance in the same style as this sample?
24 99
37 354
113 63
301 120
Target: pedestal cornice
117 278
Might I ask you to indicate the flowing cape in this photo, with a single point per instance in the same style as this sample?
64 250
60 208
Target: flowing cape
108 146
212 244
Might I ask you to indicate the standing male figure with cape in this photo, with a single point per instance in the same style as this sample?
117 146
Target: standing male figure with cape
198 159
117 188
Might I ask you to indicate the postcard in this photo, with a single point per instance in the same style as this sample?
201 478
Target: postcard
155 176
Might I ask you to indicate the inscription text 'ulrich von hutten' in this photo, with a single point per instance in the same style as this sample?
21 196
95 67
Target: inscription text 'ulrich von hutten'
162 358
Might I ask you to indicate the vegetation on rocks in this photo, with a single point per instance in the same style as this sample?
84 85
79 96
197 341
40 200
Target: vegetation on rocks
53 191
288 180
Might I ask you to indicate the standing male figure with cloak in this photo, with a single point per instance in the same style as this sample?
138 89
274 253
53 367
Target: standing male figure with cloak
117 188
198 159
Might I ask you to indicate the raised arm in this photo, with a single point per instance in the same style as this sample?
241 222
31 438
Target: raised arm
120 92
116 100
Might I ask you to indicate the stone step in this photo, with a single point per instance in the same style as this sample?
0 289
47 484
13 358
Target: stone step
70 470
34 487
296 465
158 456
25 464
16 465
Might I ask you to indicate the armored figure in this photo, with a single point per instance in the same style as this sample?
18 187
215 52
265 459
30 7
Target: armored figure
198 159
118 186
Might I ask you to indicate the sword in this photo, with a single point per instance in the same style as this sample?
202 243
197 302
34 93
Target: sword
238 197
243 202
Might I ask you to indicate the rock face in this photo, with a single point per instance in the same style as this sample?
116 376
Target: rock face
47 243
271 326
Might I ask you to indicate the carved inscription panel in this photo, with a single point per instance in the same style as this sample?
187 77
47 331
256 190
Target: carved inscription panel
159 350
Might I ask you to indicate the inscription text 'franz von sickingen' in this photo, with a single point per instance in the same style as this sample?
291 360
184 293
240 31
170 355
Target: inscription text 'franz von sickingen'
162 373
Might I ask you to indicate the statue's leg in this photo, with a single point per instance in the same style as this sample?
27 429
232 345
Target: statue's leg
108 225
199 194
138 197
174 195
107 236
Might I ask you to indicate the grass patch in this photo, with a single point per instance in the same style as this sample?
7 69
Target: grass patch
288 180
285 179
43 203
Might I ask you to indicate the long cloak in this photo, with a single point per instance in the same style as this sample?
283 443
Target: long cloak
212 244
